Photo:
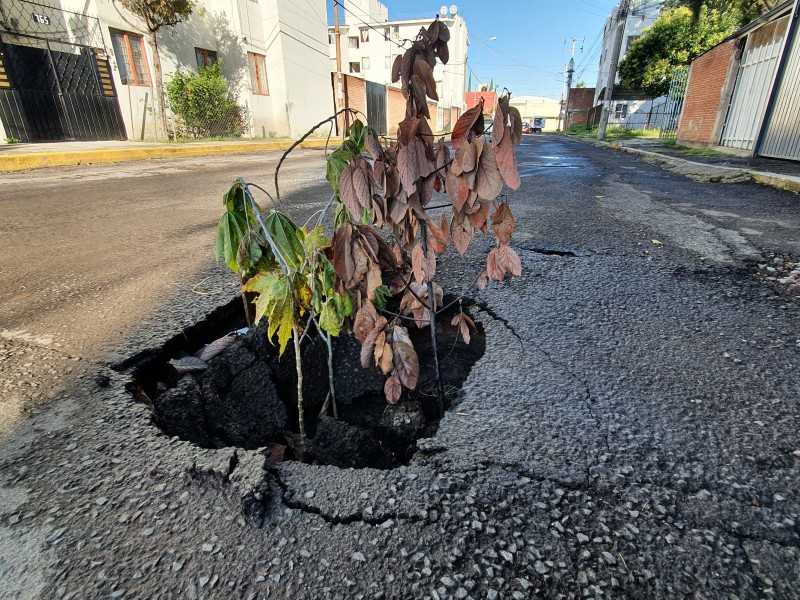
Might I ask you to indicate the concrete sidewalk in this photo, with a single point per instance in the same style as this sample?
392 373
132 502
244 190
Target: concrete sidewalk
731 168
21 157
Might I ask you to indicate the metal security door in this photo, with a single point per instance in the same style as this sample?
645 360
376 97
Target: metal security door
751 90
376 106
56 92
781 135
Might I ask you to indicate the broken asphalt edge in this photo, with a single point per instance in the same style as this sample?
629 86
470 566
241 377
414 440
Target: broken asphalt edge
694 169
38 160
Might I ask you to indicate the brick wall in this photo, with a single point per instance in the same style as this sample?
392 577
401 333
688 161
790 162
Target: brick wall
396 109
489 101
705 93
434 112
579 101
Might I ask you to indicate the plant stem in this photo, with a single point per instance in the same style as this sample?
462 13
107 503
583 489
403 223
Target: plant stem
298 360
432 315
330 375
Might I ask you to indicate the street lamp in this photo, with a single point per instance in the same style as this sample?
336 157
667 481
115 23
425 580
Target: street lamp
478 57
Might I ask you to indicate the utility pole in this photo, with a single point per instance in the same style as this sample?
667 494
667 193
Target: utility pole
622 15
339 91
569 69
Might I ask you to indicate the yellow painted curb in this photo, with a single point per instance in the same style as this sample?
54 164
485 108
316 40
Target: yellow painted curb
38 160
784 183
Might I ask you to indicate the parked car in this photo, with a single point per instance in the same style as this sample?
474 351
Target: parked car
526 128
538 124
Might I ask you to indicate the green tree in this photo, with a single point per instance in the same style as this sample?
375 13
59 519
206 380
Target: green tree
674 40
204 102
155 15
747 9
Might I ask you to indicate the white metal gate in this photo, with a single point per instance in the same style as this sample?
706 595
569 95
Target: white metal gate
753 81
781 135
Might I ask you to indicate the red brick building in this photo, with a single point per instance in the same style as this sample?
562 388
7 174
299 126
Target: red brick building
579 102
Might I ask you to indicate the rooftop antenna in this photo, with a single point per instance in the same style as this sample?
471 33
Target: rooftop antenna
453 10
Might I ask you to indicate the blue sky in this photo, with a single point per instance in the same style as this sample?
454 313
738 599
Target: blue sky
529 53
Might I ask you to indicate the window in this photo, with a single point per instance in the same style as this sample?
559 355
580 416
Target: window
365 35
204 58
131 58
330 38
365 62
355 67
631 39
621 111
258 74
352 42
396 32
386 33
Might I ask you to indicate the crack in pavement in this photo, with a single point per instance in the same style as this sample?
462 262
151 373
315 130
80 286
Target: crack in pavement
335 519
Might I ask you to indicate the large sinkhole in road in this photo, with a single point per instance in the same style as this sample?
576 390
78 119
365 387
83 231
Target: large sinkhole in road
246 397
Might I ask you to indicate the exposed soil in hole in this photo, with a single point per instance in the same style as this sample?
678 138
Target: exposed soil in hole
246 397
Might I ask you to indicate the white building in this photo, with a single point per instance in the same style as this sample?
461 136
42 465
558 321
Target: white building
632 111
538 106
95 66
370 41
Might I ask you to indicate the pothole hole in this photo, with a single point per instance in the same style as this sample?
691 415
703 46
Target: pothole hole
246 396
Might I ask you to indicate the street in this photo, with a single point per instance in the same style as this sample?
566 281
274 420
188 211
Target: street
632 430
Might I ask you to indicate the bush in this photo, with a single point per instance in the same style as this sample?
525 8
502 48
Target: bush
578 128
204 105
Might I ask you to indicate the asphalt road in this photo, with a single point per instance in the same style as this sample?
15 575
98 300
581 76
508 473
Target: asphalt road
633 429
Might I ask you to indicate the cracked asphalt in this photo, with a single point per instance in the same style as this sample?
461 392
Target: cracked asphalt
632 430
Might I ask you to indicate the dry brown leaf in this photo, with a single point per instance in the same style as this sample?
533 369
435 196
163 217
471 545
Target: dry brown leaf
489 182
503 223
407 168
275 454
465 124
368 344
365 321
424 268
383 354
347 191
465 326
457 190
396 68
469 155
342 243
216 347
406 363
443 53
438 238
479 216
483 279
516 125
374 280
424 71
392 389
499 127
507 163
361 177
461 233
373 147
502 260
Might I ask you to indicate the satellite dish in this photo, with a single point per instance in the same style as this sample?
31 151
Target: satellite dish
443 10
453 10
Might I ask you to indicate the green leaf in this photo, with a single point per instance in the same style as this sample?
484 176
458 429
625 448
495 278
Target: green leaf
230 231
382 295
337 163
275 302
329 318
285 235
314 240
357 134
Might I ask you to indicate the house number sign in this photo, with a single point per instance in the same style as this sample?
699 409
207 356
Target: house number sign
41 19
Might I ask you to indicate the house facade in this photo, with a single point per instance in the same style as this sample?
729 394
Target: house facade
633 111
96 67
369 42
742 94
